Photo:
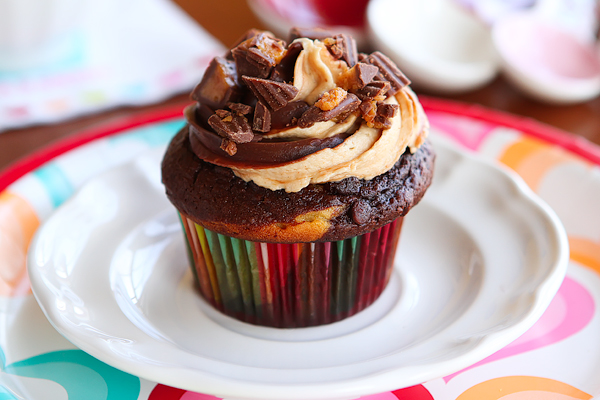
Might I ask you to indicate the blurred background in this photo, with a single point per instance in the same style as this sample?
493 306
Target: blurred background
70 65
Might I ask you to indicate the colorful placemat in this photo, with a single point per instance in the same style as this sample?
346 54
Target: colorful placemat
152 50
557 359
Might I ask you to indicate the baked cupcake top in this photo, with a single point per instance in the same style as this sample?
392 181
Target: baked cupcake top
310 141
314 111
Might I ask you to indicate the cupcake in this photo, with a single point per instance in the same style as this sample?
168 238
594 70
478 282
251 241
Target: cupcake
293 174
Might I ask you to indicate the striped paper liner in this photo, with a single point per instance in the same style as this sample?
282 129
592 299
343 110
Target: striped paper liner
291 285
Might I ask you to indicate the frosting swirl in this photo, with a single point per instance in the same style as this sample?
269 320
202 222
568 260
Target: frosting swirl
365 154
359 141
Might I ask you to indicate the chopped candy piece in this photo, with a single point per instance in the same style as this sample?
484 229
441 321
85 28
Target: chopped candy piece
240 108
258 55
365 73
314 114
218 85
388 71
288 115
374 90
229 146
284 71
231 126
272 94
387 110
248 35
358 76
262 118
378 115
368 109
385 113
344 47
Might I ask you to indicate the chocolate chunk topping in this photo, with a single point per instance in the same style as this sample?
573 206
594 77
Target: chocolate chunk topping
232 126
373 90
344 47
385 113
314 114
387 110
240 108
223 113
334 50
361 212
388 71
358 76
288 115
251 64
378 115
228 146
310 33
248 35
381 122
251 92
219 85
365 73
258 55
368 109
272 94
262 118
284 71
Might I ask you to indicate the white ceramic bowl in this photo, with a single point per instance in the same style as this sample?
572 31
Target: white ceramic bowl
546 62
436 43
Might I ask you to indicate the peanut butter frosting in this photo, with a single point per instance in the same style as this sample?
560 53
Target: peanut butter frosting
338 113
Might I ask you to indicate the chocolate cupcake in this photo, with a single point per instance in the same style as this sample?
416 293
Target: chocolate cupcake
293 174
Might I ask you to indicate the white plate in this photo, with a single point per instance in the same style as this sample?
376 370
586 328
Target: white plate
438 44
481 257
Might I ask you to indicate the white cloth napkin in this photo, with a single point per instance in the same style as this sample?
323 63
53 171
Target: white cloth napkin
130 52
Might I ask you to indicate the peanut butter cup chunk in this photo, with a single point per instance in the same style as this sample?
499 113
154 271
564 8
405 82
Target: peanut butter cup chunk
322 110
232 126
271 93
343 47
257 55
219 85
388 71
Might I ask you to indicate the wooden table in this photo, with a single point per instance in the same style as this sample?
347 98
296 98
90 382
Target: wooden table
228 20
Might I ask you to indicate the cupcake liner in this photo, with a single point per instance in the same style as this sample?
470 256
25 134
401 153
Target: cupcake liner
291 285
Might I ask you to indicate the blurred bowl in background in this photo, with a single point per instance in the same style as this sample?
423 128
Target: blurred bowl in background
491 11
37 32
339 16
545 61
456 46
437 43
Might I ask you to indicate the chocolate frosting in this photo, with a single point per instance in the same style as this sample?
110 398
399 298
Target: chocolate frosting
207 145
